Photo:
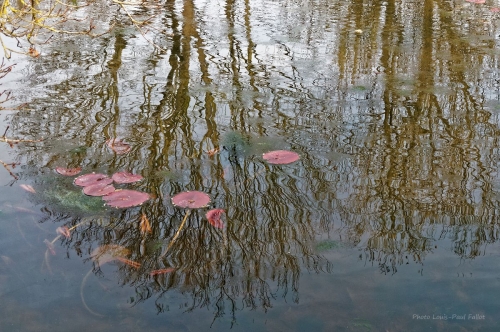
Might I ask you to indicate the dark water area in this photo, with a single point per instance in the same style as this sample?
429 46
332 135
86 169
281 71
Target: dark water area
389 220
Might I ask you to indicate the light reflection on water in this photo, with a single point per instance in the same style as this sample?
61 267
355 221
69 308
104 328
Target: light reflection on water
390 212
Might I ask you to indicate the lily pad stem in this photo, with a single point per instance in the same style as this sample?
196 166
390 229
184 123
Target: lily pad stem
176 234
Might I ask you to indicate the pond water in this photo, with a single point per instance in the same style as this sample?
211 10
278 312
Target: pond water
389 221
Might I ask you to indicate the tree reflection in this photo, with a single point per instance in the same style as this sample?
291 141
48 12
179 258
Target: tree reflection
396 125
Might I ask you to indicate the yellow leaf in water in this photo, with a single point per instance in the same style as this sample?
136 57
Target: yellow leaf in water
212 152
144 224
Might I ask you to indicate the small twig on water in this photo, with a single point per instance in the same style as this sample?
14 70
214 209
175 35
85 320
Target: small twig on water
12 141
8 169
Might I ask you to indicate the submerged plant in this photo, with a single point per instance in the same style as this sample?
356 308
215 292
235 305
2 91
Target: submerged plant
236 144
67 199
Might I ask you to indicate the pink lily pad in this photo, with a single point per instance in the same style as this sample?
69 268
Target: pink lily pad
118 146
92 178
68 171
191 199
281 157
126 177
125 198
98 189
476 1
213 217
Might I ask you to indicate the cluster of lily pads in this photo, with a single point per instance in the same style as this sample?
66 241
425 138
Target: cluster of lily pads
97 184
101 185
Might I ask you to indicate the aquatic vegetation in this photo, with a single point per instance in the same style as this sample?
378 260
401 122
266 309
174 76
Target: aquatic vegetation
281 157
78 149
68 171
97 184
118 146
236 144
144 225
166 174
67 199
99 189
64 231
50 246
92 178
108 252
214 217
328 245
191 199
125 198
126 177
212 152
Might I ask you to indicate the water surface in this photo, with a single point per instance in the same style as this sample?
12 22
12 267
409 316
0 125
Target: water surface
389 220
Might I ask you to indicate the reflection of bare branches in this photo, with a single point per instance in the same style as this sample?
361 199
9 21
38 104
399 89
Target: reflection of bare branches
11 142
26 19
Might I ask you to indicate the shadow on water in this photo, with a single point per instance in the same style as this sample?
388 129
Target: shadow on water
392 107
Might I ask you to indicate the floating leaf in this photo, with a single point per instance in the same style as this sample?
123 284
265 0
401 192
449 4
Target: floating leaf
213 217
161 271
118 146
125 198
126 177
101 188
92 178
27 187
476 1
191 199
33 52
213 152
281 157
144 225
68 171
64 231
